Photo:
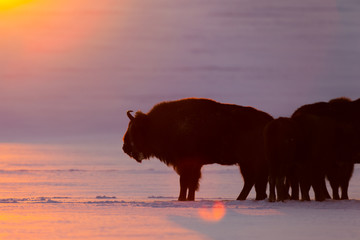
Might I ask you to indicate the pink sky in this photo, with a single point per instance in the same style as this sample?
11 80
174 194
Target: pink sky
70 69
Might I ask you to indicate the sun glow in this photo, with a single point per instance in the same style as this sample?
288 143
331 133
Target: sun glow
214 214
9 4
35 32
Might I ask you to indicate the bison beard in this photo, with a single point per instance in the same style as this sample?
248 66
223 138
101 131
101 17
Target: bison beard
189 133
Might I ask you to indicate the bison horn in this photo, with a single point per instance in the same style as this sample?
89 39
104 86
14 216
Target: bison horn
129 115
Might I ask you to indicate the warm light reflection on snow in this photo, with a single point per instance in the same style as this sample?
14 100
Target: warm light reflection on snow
259 212
213 214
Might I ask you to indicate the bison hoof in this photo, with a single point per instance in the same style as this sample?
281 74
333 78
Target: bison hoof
320 198
294 198
261 197
182 199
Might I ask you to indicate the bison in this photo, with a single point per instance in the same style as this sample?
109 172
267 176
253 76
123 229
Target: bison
189 133
320 139
328 147
281 142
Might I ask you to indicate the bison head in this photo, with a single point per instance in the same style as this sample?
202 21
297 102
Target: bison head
135 139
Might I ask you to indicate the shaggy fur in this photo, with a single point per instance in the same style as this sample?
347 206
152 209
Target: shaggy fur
329 146
189 133
281 141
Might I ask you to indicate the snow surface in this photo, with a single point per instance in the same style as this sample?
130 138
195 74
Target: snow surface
48 200
169 219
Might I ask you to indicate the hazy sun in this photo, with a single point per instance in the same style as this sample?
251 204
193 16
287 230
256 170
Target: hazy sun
214 214
9 4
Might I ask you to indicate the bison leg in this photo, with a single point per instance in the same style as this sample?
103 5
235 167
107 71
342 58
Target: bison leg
305 188
246 190
294 191
281 189
183 187
336 195
261 183
344 191
293 179
344 184
324 189
194 183
334 182
294 183
189 180
335 189
191 196
304 181
319 188
272 195
347 173
260 188
249 182
287 186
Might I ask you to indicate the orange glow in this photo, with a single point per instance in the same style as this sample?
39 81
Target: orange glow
36 32
214 214
21 153
15 157
9 4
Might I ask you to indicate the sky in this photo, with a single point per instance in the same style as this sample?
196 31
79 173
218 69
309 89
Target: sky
70 69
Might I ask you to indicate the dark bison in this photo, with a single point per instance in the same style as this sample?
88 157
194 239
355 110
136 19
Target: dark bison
320 139
281 142
329 146
189 133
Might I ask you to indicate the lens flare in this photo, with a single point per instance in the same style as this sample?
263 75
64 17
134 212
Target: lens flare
213 214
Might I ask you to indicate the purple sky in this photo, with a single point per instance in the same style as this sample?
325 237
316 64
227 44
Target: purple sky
70 70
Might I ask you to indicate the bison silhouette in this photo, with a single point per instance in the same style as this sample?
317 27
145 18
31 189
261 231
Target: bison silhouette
282 137
319 140
189 133
331 145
